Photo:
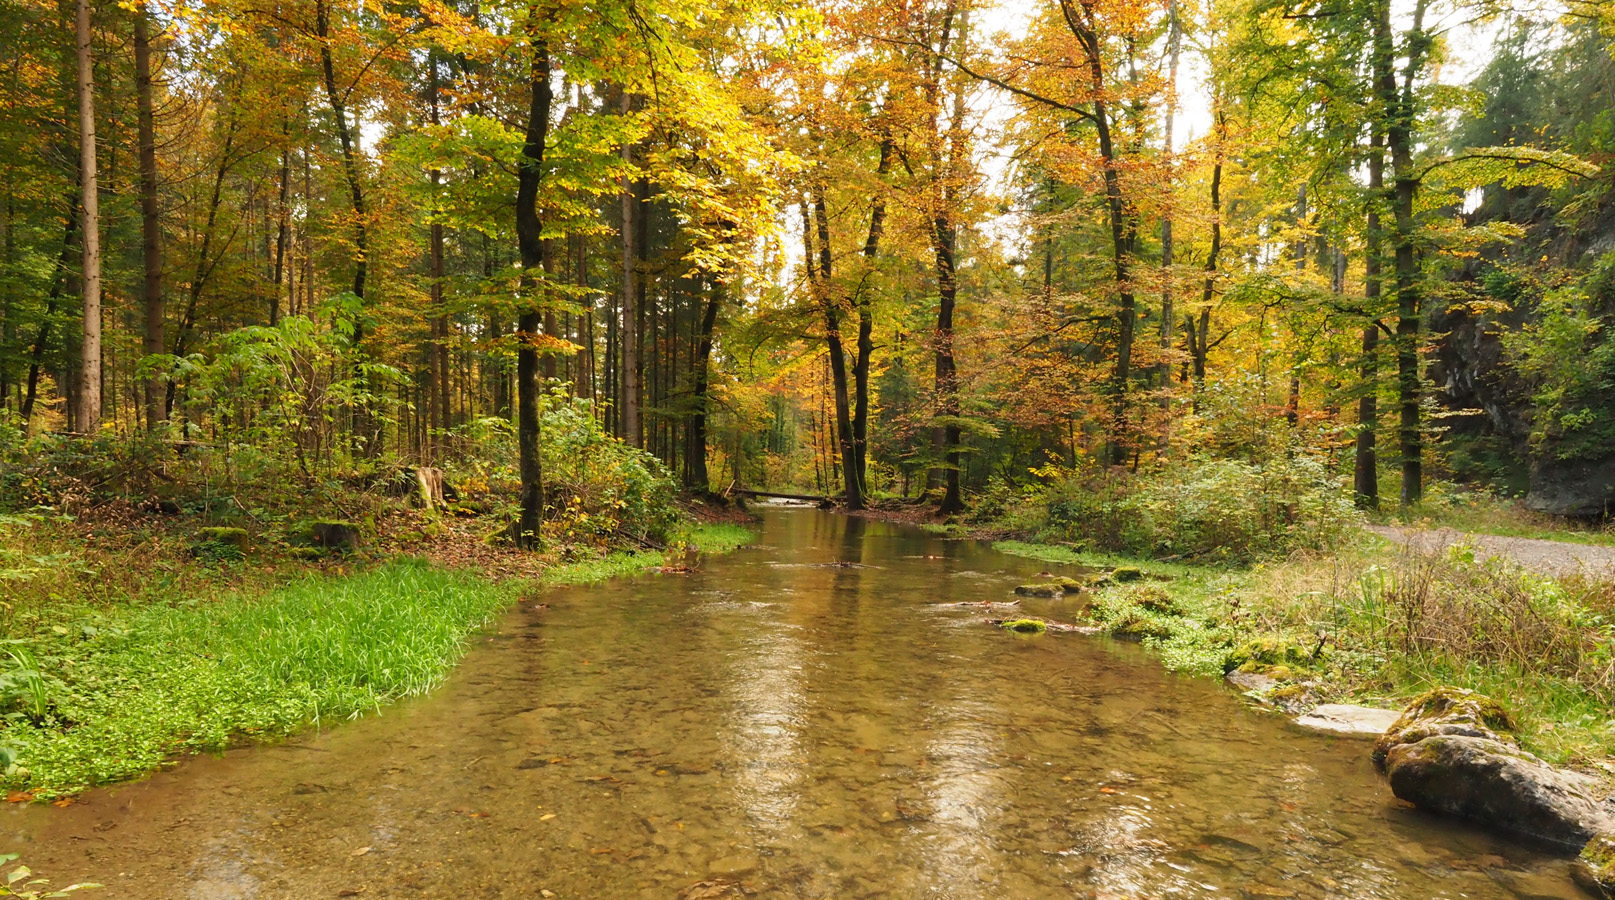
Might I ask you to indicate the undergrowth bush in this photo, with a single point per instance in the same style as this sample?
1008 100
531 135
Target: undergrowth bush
1204 508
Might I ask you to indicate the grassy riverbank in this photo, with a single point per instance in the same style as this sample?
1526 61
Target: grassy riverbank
106 687
1373 624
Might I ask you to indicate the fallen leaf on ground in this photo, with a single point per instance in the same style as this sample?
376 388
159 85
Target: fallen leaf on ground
19 797
361 851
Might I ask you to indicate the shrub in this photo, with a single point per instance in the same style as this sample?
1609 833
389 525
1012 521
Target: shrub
1225 509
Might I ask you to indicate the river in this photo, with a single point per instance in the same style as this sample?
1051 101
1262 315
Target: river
808 718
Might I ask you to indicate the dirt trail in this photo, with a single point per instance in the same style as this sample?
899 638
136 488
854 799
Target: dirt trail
1548 557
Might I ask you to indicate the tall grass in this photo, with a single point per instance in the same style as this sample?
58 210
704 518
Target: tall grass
1399 625
132 685
182 678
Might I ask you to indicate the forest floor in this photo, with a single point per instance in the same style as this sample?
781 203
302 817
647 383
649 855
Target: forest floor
127 640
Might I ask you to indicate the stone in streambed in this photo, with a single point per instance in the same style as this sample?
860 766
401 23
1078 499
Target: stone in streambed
1050 590
1342 718
1499 786
1453 752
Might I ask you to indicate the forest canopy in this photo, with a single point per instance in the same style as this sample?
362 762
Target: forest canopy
1357 250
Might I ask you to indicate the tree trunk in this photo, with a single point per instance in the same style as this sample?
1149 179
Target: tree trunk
150 217
1365 475
282 236
695 464
829 302
1399 107
530 242
350 172
1199 336
1123 227
438 398
628 329
36 353
87 412
1163 369
866 329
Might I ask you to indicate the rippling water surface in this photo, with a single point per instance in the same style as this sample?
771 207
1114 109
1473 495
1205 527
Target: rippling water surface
786 728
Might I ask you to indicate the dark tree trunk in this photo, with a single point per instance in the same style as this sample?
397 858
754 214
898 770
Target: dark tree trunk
866 330
151 245
530 242
58 283
830 303
695 464
947 379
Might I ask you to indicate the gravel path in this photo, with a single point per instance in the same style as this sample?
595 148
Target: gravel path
1549 557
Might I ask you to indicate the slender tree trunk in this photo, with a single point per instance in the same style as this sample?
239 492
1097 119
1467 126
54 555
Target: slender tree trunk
628 330
1123 227
438 401
946 376
87 412
361 215
150 217
1163 369
1365 475
282 237
529 238
830 303
205 259
695 465
36 353
866 329
1199 335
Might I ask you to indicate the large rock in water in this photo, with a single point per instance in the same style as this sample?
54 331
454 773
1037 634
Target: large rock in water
1500 786
1451 752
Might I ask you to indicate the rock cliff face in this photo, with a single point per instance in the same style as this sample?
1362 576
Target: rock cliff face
1485 398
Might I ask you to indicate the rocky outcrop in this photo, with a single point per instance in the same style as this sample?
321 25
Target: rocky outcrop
1580 488
1452 752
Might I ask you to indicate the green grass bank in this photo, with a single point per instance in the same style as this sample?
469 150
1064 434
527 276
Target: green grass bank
1374 624
104 692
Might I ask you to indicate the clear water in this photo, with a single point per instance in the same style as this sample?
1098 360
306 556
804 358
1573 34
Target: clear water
778 727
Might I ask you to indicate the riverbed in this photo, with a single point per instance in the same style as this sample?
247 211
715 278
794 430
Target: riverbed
813 717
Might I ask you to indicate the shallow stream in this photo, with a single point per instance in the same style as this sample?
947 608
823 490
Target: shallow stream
809 718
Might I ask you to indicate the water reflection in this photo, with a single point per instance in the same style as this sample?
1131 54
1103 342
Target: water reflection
795 729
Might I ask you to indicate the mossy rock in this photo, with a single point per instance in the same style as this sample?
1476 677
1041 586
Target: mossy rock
1447 712
1125 574
1157 600
1262 653
1047 590
1134 624
225 537
333 535
1024 626
1594 869
305 553
1070 585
